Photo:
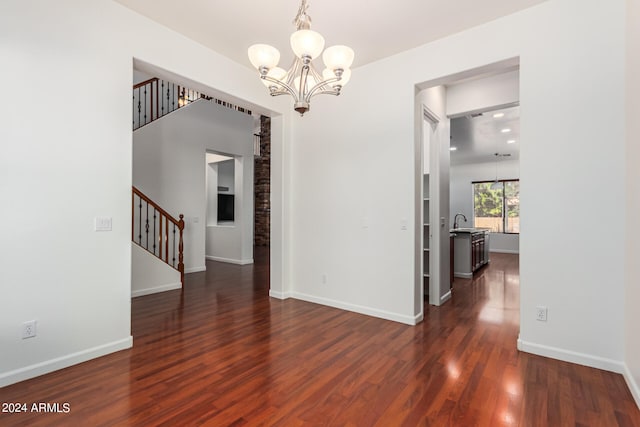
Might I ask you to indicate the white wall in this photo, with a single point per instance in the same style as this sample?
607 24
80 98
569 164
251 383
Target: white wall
366 139
478 94
632 252
462 197
150 275
169 166
226 176
73 156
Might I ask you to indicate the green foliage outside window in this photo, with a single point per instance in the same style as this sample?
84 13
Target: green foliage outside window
497 206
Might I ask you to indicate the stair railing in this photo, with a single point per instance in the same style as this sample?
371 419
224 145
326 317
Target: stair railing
153 229
155 98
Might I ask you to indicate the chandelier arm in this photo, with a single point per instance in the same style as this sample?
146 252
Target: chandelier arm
283 85
304 76
319 86
329 92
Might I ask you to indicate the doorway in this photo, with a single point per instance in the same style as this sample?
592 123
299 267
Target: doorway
461 96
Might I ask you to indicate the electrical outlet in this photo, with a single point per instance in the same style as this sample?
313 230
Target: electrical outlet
324 278
29 329
541 313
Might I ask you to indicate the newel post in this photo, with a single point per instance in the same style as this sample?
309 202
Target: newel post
180 250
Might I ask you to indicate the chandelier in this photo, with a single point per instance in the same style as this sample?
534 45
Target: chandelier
302 81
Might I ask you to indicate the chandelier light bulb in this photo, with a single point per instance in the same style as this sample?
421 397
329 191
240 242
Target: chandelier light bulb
307 43
338 57
263 55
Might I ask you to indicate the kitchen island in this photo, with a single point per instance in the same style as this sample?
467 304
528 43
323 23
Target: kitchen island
471 250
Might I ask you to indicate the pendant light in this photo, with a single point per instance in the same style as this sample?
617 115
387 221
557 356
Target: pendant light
302 81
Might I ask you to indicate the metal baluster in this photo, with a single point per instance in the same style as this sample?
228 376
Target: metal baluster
168 99
154 230
146 227
139 107
174 245
173 97
140 222
151 94
145 104
162 100
166 240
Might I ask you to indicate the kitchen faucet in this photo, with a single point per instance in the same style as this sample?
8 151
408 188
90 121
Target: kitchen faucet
455 219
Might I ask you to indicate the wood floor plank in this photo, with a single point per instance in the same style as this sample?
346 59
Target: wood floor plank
225 354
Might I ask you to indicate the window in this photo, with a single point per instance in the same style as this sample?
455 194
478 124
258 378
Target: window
496 205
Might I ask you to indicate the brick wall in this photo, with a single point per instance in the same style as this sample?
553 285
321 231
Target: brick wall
262 185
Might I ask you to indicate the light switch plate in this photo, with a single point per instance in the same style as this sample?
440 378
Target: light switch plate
102 223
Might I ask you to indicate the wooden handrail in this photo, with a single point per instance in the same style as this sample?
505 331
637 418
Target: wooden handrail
162 238
146 82
155 205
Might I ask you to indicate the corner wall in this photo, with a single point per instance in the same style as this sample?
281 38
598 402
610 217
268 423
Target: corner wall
632 252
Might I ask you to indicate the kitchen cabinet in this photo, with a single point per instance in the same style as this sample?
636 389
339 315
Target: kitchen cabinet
471 251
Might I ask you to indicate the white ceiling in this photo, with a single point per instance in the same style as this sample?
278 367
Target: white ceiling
477 138
373 28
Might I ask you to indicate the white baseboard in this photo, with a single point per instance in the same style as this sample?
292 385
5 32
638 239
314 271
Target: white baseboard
572 356
505 251
195 269
45 367
446 297
463 275
155 290
634 387
279 295
230 260
408 320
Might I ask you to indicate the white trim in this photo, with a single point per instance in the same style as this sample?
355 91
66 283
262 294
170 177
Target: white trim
505 251
430 116
195 269
155 290
571 356
446 297
279 295
45 367
408 320
634 387
463 275
230 260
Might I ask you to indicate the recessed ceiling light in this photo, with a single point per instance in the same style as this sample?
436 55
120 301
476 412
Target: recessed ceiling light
505 130
498 115
453 148
511 141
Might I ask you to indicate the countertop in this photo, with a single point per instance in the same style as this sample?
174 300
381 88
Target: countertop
468 230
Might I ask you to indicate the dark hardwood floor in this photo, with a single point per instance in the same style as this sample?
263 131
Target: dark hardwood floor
226 354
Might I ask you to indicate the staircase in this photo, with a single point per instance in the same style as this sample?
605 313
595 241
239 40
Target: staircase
153 229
